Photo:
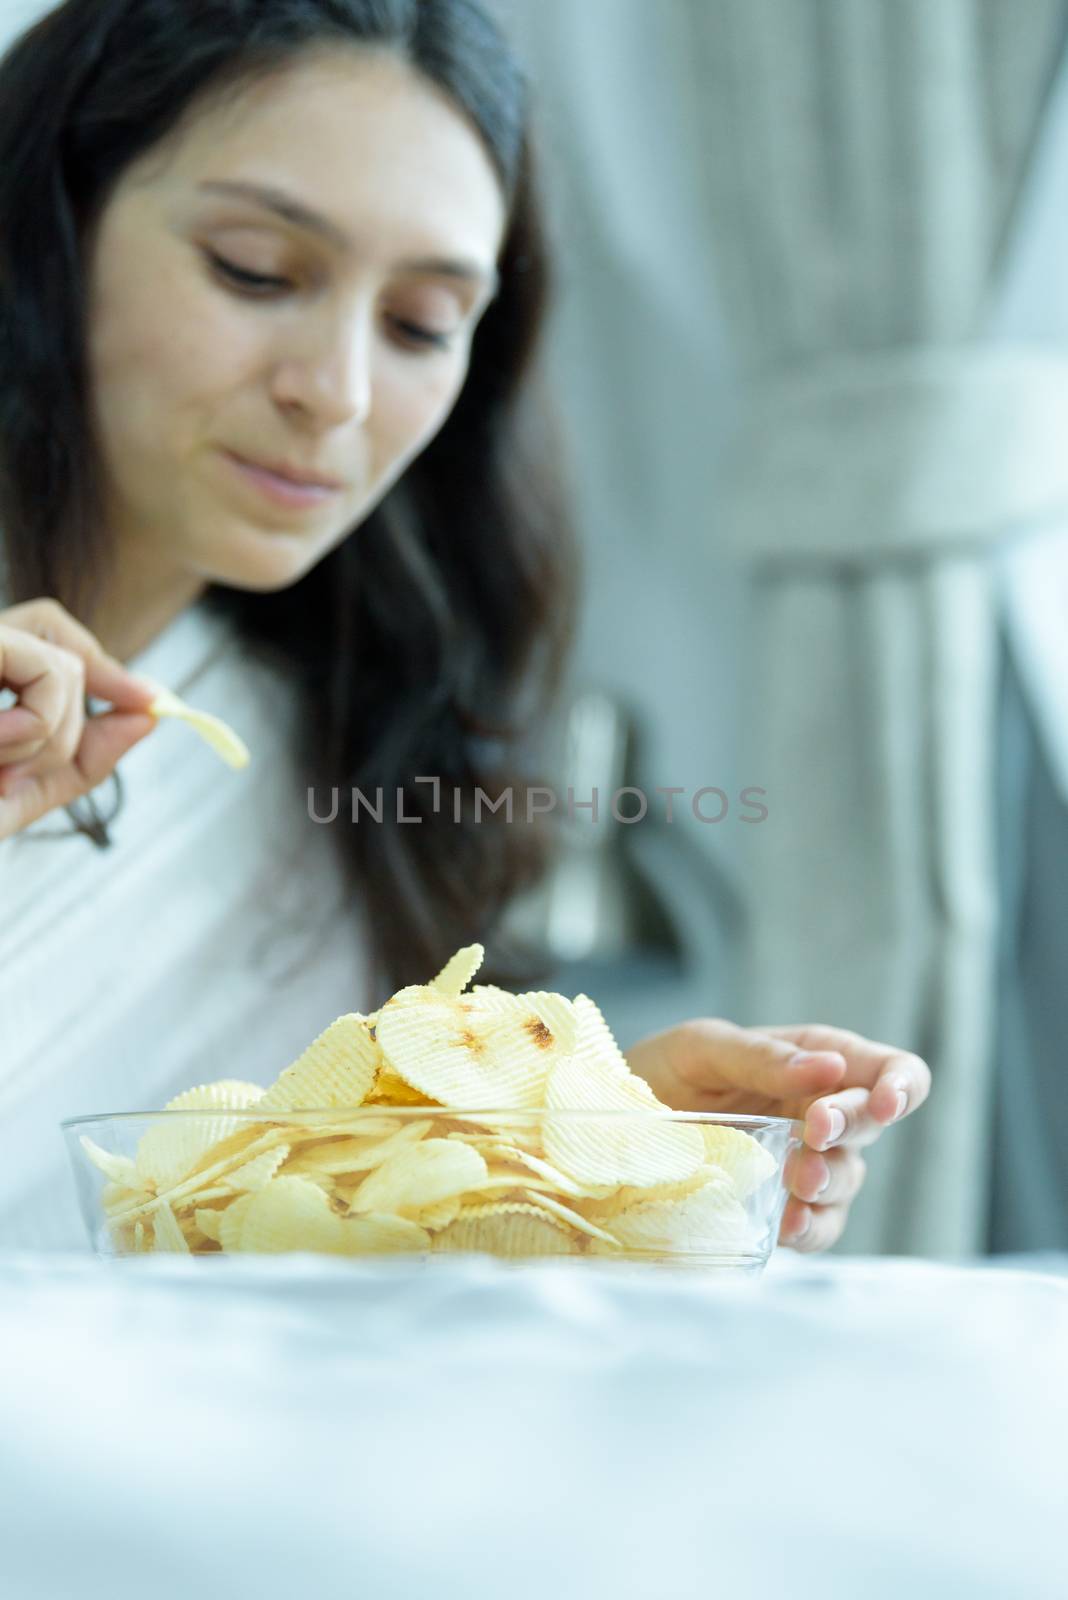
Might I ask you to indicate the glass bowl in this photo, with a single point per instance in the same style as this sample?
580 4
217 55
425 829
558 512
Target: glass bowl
683 1188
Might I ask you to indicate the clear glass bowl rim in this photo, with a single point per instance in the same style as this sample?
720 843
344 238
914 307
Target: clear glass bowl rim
335 1113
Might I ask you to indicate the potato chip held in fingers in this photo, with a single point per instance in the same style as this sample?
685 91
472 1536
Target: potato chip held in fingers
213 730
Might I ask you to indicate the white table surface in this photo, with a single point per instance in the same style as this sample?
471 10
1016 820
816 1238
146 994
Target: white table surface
274 1426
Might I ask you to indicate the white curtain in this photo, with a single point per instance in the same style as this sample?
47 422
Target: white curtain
828 193
888 450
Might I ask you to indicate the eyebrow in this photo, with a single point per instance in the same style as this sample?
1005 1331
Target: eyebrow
293 210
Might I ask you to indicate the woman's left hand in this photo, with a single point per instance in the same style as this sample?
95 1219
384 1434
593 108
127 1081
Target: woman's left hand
847 1089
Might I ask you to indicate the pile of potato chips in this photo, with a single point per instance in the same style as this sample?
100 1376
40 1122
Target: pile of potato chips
451 1119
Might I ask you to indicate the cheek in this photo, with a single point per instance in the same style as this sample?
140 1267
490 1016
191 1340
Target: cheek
160 358
412 404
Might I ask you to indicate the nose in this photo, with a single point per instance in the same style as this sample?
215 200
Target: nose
329 377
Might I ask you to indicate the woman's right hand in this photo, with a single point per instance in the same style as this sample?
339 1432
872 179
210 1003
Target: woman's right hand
50 751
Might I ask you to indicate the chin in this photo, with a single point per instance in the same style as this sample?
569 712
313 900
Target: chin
273 563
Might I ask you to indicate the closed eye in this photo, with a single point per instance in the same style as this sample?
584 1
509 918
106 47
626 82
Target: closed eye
422 336
251 282
258 285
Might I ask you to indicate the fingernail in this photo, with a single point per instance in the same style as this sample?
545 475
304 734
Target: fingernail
902 1104
837 1126
799 1233
804 1057
826 1179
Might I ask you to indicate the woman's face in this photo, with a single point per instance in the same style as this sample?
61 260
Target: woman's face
322 328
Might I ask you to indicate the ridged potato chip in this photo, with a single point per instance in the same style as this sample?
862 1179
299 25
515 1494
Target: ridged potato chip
225 1094
739 1155
201 1180
515 1231
428 1172
290 1214
122 1170
336 1156
520 1129
337 1069
458 971
389 1090
170 1151
168 1235
573 1219
439 1215
173 1147
117 1197
232 1221
357 1154
209 1222
236 1147
595 1037
488 998
462 1057
507 1186
558 1014
500 1150
554 1010
381 1235
709 1221
258 1172
609 1203
361 1125
616 1150
222 738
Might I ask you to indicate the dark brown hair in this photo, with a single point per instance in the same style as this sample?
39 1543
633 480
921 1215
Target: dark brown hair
432 642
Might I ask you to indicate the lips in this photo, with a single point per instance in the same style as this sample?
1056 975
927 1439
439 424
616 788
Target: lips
303 478
279 488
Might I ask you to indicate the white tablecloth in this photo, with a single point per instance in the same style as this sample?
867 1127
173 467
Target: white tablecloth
175 1429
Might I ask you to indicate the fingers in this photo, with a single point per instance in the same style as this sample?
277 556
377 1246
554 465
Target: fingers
21 736
870 1063
106 741
50 752
841 1118
858 1116
753 1061
812 1228
810 1223
902 1086
105 677
47 680
826 1178
63 742
27 794
826 1173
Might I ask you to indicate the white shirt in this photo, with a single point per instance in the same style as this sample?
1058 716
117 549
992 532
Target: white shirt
212 940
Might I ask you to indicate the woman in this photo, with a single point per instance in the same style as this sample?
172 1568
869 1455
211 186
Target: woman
271 279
